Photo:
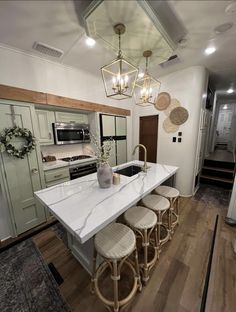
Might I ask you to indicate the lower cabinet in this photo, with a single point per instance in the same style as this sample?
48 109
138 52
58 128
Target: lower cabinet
54 177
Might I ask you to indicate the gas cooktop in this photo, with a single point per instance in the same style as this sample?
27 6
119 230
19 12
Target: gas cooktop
74 158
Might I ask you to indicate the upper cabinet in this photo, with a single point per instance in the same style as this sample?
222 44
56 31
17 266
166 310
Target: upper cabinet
71 117
45 119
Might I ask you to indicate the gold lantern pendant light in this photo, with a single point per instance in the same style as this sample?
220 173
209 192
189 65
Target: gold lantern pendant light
146 87
120 75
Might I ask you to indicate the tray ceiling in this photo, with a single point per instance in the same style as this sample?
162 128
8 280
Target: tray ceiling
143 29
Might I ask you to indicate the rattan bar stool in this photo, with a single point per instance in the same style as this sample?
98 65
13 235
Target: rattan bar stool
143 222
161 206
115 243
172 194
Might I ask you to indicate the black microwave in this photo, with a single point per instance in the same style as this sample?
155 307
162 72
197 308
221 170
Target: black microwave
70 133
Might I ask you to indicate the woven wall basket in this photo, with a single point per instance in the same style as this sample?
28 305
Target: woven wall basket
163 101
178 116
173 104
169 127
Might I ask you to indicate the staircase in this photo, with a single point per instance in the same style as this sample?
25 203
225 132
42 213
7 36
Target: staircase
220 173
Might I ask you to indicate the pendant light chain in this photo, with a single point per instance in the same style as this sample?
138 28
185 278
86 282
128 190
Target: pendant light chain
119 53
146 71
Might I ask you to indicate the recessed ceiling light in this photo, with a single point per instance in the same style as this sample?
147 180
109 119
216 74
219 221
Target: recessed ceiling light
230 90
225 106
90 42
231 8
223 28
210 50
140 75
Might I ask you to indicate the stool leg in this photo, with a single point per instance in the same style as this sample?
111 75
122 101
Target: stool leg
137 269
159 232
115 277
170 222
94 270
177 206
145 248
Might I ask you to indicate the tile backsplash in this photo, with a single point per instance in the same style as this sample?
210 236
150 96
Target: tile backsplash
61 151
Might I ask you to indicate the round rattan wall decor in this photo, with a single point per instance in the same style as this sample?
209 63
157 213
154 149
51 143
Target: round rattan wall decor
163 101
179 116
169 127
173 104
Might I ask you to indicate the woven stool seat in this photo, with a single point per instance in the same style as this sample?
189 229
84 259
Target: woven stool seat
167 191
115 241
143 221
172 194
140 217
156 202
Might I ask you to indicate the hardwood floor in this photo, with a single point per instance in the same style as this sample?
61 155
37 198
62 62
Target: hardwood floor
177 282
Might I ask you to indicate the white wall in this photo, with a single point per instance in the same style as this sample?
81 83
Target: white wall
33 73
232 205
188 86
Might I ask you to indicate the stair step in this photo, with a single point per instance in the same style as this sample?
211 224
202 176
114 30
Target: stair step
219 164
219 169
231 181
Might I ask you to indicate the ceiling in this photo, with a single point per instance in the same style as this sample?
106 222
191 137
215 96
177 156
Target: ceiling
57 24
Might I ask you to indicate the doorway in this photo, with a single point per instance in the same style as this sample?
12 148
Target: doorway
148 135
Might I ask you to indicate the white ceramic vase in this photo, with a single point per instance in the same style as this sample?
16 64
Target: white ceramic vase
104 175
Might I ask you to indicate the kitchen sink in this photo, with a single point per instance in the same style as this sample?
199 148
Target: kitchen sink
130 170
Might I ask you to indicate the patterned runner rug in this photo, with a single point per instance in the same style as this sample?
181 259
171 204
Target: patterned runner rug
26 283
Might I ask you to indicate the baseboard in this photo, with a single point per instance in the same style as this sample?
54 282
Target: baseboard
185 196
3 239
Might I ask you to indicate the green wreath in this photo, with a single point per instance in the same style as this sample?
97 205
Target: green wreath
10 133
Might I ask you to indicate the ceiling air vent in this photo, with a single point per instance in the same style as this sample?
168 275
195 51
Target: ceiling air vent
174 59
46 49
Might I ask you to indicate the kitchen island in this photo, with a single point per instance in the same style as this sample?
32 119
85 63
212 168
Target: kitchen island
84 209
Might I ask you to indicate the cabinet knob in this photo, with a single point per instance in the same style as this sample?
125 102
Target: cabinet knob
34 170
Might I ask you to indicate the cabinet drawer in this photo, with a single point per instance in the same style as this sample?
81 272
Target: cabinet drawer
57 182
58 174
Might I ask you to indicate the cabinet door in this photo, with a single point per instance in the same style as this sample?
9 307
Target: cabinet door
121 126
121 149
71 117
108 126
22 175
45 120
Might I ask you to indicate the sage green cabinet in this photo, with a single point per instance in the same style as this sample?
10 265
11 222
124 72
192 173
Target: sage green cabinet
21 176
71 117
45 119
54 177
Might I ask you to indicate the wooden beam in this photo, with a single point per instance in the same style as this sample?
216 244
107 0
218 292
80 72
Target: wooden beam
84 105
19 94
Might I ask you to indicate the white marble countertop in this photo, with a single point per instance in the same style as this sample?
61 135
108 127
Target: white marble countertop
84 208
60 163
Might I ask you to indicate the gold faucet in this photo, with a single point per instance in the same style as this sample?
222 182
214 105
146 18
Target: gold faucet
145 156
